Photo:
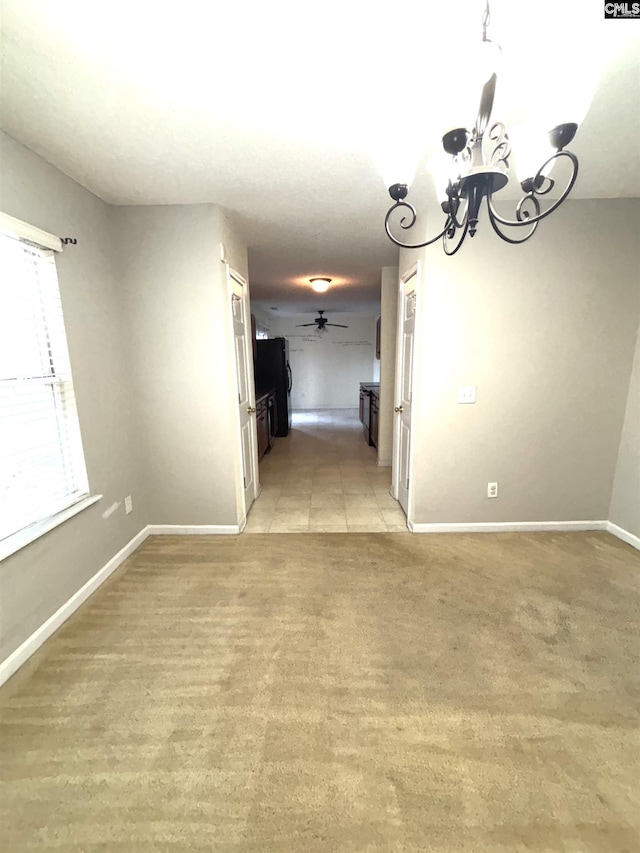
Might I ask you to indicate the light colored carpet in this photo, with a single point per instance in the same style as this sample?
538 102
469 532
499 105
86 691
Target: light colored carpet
337 692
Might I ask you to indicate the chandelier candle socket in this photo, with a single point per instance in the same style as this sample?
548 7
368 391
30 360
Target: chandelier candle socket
477 174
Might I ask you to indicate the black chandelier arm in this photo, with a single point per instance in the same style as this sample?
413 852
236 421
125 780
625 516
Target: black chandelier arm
524 219
450 233
454 204
522 214
533 222
410 225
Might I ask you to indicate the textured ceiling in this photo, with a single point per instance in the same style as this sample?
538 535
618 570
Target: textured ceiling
281 113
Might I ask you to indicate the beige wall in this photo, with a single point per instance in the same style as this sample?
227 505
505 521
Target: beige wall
39 578
388 323
547 332
625 498
145 299
263 319
175 297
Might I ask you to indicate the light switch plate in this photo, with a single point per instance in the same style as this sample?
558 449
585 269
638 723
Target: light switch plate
467 394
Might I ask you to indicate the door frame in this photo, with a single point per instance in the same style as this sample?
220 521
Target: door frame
231 275
414 271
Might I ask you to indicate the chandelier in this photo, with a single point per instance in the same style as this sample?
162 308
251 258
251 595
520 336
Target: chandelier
480 168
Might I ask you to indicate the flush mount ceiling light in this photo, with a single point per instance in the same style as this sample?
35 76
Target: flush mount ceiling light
476 174
320 283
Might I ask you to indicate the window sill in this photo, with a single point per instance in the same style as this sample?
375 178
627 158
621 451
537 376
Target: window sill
25 537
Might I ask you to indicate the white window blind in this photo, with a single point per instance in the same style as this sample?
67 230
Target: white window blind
42 468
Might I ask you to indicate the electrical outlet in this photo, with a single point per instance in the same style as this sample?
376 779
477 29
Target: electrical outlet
492 490
128 504
467 394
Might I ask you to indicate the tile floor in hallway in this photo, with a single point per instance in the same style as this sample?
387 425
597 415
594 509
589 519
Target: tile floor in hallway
323 477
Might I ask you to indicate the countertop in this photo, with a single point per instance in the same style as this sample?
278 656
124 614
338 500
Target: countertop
373 387
262 393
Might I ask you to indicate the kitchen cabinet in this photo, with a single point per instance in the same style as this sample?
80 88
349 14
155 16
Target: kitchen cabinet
364 401
373 419
266 421
369 406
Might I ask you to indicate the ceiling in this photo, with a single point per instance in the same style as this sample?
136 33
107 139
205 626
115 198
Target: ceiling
282 114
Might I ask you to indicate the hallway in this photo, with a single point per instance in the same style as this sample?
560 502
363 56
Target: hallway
323 478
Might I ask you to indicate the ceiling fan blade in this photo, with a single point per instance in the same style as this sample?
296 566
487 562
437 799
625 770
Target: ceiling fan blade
298 325
337 325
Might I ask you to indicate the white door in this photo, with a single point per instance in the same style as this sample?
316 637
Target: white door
238 293
404 389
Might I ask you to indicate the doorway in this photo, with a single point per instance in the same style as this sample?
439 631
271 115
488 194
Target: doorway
402 487
248 487
323 477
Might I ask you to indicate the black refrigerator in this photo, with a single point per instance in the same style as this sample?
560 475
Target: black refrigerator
272 370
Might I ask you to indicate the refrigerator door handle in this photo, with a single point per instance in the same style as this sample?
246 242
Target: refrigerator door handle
289 378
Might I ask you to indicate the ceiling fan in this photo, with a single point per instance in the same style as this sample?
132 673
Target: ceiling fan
322 322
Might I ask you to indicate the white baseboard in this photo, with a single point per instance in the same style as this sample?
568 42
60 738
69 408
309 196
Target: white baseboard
384 463
33 643
506 526
621 533
191 529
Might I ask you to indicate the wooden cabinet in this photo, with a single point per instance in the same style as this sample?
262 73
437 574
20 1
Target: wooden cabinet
262 426
373 419
266 421
369 406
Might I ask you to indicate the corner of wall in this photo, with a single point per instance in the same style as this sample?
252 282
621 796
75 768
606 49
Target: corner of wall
624 508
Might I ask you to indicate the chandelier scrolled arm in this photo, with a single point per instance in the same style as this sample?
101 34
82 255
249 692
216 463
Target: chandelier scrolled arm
406 225
538 186
452 206
502 149
534 222
450 233
477 175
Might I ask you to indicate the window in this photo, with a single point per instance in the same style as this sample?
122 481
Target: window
42 467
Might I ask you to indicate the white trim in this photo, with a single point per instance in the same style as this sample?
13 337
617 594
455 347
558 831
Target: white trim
621 533
506 526
23 231
384 463
33 643
192 529
243 501
18 657
414 271
21 538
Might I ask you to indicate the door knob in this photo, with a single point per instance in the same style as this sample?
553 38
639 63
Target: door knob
398 409
251 410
